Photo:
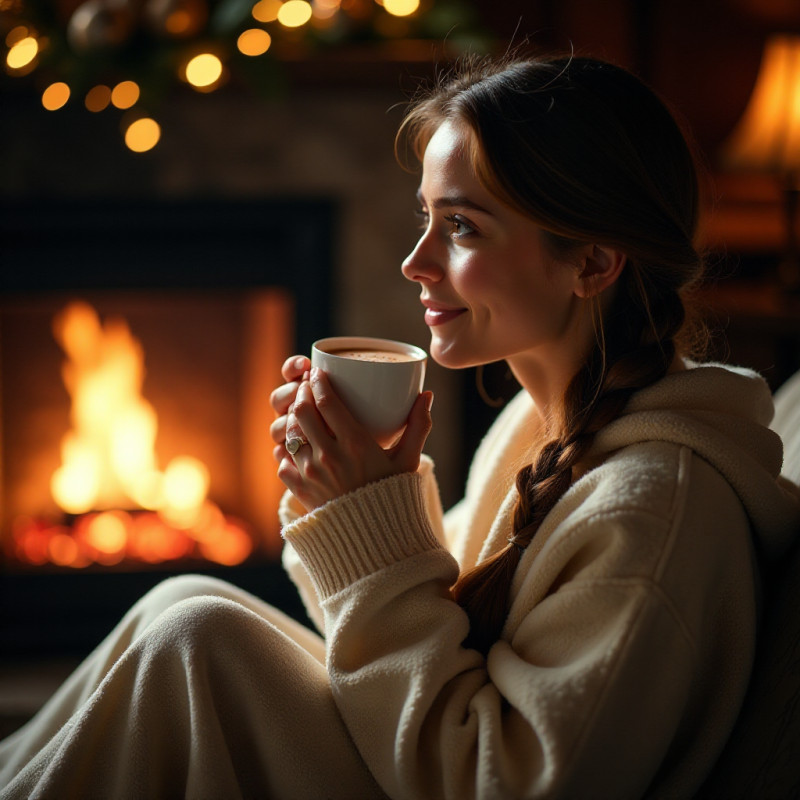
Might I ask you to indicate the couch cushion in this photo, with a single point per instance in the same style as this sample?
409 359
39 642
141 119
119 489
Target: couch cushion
762 758
787 424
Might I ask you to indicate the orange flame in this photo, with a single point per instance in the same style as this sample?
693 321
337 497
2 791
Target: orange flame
109 463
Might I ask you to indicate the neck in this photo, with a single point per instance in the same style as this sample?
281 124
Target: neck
545 372
545 385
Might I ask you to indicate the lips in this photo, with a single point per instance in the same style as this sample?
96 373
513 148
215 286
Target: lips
439 314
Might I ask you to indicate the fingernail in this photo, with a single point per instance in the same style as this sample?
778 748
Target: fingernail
299 362
315 373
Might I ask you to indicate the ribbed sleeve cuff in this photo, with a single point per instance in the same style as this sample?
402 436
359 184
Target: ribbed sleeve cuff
363 532
289 509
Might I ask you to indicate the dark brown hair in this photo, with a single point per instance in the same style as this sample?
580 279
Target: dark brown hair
591 155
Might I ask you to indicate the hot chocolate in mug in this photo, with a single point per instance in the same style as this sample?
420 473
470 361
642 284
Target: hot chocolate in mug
377 379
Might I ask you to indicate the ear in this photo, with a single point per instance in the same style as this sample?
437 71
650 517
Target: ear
601 266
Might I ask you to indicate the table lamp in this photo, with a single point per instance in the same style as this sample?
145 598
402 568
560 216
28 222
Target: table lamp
767 139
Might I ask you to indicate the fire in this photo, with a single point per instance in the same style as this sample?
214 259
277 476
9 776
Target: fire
127 507
111 447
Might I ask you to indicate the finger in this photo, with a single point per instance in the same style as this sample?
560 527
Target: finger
278 429
331 409
294 367
289 475
294 430
408 450
309 418
283 397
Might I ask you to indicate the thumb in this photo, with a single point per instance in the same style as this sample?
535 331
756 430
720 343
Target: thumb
408 450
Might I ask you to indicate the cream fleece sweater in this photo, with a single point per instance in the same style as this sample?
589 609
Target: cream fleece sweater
632 628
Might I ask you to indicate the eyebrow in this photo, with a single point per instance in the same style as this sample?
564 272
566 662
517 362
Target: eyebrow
456 200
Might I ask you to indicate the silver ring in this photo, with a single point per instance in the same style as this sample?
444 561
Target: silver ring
294 443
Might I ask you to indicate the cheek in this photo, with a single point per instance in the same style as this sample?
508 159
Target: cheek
475 277
528 298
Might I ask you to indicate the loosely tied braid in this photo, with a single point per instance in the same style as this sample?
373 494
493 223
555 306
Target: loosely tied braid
592 156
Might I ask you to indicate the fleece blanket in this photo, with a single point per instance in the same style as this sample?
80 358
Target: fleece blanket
201 691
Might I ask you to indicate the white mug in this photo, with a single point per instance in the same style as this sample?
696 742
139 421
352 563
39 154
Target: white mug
378 389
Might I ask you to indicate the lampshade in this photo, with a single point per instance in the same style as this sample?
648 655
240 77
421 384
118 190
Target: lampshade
767 138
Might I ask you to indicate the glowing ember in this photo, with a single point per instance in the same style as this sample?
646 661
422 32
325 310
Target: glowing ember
110 537
109 463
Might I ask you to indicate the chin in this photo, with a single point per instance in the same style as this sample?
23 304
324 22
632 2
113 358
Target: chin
449 356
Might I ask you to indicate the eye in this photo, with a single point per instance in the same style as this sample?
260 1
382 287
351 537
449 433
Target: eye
460 227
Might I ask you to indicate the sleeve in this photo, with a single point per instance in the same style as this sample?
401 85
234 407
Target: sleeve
290 511
550 713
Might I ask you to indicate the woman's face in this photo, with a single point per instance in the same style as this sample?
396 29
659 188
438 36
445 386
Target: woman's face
490 286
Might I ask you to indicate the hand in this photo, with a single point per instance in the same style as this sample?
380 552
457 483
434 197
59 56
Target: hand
293 371
340 455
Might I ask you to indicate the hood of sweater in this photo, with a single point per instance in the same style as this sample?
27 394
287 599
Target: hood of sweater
722 413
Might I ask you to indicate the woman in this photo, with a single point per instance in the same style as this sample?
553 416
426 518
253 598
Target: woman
583 623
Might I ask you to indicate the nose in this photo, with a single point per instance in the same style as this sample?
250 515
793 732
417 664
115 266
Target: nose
423 263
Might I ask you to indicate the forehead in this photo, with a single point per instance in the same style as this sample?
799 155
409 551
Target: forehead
449 139
448 154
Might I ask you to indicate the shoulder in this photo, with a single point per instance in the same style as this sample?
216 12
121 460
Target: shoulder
656 524
645 504
659 480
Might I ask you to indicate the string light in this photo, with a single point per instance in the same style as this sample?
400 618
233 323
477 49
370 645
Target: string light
326 9
125 94
204 70
97 98
17 34
401 8
254 42
160 40
266 10
294 13
22 53
142 135
55 96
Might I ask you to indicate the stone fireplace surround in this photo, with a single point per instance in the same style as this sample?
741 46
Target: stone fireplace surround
332 147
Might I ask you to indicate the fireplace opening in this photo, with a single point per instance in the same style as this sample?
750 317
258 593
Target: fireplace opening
138 346
141 441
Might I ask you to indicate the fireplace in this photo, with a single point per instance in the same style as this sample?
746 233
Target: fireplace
139 341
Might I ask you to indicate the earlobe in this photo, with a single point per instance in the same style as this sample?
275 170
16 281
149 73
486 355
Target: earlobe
601 268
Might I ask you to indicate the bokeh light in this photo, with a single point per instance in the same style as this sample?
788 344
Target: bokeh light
401 8
97 98
17 34
125 94
326 9
266 10
294 13
55 96
22 53
204 70
142 135
254 42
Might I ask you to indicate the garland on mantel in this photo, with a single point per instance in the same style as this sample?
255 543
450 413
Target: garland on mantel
128 54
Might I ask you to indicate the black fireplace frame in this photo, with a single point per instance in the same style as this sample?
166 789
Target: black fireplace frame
58 245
